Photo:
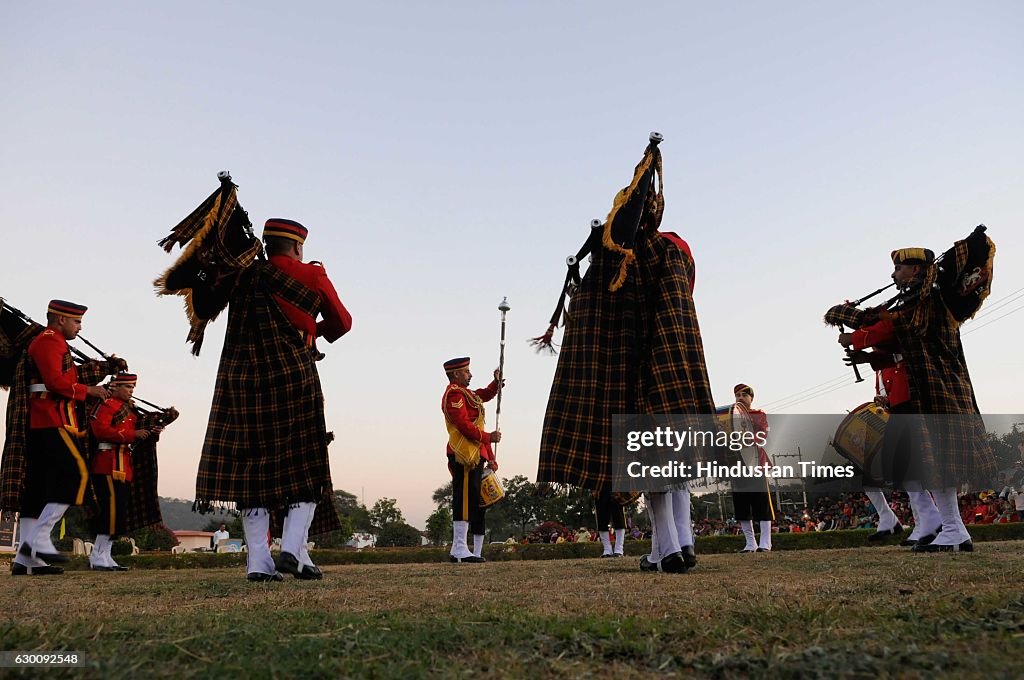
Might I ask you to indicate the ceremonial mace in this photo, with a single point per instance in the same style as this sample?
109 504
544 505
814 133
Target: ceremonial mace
503 308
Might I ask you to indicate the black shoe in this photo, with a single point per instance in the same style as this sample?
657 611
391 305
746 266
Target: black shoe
100 567
615 554
928 538
309 573
762 550
259 577
879 535
908 542
748 550
647 565
607 555
472 559
673 564
287 563
966 546
118 567
689 557
22 570
26 550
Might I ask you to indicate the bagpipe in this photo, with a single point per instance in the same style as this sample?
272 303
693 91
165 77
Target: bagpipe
17 330
219 243
636 208
961 276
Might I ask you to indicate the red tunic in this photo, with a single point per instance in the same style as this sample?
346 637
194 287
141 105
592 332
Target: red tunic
52 367
885 359
116 427
463 413
685 247
336 319
759 423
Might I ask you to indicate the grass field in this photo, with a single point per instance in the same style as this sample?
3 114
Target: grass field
813 613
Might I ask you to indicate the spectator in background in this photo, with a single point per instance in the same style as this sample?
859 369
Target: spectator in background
219 535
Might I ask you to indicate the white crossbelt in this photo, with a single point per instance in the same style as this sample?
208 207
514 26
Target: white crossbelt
105 446
37 387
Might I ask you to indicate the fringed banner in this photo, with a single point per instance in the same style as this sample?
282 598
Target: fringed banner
218 244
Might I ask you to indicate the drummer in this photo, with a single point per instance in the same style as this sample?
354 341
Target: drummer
943 452
469 450
892 390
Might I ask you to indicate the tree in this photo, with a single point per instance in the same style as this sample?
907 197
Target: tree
443 496
349 506
156 537
521 502
384 512
439 526
350 512
1006 450
398 535
573 507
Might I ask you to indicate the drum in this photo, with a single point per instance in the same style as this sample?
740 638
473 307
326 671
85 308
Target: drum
859 437
723 418
490 489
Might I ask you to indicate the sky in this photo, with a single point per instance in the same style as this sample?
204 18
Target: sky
444 155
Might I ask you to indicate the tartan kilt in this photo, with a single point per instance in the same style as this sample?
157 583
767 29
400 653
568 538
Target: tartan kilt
13 464
142 504
635 351
955 449
266 441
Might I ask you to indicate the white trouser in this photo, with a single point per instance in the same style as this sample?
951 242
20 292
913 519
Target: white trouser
927 519
953 530
27 527
887 519
681 514
766 535
606 542
664 536
620 541
747 526
48 518
295 532
100 555
256 522
459 547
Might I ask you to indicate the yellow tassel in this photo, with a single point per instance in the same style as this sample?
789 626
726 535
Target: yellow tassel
629 259
62 527
621 198
208 223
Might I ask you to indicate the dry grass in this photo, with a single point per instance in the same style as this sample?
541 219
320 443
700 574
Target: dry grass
857 613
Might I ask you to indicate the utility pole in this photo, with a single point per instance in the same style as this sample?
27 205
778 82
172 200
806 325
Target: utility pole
775 458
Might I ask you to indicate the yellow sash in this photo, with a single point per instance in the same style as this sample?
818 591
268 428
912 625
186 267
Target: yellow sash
467 451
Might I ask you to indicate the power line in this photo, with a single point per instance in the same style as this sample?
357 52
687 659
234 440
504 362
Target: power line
802 391
992 321
1002 302
814 395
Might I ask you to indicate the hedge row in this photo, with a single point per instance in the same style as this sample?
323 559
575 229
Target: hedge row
706 545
